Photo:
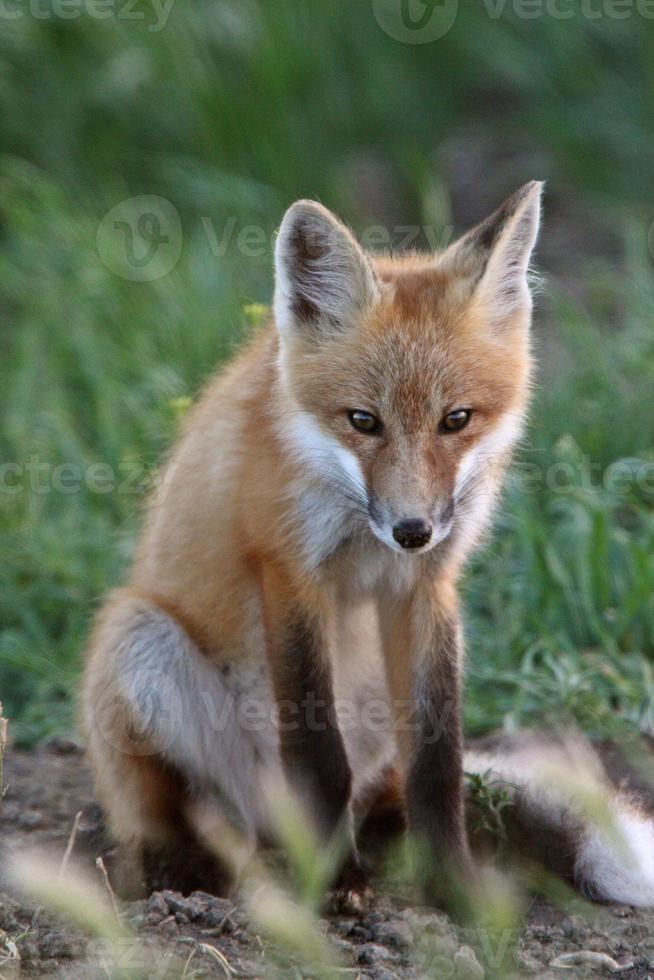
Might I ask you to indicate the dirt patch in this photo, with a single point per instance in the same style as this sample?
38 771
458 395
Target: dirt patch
201 935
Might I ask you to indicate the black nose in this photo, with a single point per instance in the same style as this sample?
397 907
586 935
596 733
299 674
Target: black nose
412 533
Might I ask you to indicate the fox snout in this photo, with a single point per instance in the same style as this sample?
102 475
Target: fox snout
419 532
413 533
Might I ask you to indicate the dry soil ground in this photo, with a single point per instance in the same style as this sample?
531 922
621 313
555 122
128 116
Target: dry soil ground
204 936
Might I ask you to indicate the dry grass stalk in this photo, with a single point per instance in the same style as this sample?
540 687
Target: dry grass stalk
71 843
3 746
99 863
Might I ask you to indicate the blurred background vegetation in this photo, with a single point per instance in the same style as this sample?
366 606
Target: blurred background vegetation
232 109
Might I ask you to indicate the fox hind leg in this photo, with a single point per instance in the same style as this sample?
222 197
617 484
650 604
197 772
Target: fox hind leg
382 820
164 736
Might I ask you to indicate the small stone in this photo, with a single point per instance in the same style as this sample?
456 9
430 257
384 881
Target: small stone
220 913
344 926
135 911
62 745
467 966
396 934
28 949
428 923
248 969
574 927
175 901
370 953
30 820
198 907
8 922
168 927
528 963
61 946
342 946
156 909
92 821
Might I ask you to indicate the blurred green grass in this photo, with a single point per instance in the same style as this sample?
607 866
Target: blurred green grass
232 111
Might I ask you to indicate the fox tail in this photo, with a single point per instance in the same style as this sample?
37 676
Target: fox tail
560 808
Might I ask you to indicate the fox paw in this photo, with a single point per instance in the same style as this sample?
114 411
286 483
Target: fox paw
350 901
352 893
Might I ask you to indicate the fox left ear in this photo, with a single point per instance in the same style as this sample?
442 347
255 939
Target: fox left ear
496 253
322 275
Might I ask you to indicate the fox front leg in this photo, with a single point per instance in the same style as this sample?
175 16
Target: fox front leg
423 651
312 749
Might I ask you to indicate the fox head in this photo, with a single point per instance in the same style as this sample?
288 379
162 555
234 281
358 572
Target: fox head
408 378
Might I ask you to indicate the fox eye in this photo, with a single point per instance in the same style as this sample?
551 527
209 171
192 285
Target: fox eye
364 421
456 420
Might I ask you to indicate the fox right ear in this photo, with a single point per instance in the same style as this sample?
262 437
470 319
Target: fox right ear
322 275
495 256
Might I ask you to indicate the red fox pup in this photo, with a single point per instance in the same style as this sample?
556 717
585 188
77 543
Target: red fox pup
292 613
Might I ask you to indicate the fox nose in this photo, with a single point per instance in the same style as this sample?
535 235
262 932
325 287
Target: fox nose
413 533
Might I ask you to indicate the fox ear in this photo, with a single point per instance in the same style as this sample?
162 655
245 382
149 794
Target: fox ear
322 275
496 253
